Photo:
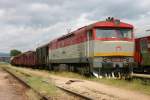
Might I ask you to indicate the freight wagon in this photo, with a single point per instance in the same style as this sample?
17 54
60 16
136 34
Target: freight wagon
142 55
27 59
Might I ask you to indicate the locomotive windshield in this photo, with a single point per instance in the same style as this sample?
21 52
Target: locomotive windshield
114 33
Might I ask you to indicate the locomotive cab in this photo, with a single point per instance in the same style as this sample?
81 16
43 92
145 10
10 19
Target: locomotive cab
113 49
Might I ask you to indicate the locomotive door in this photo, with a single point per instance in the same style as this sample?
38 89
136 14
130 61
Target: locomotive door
47 55
145 52
89 44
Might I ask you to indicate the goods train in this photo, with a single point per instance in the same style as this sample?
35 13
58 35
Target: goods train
104 48
142 55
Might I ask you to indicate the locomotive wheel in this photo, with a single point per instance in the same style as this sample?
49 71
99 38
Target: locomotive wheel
84 69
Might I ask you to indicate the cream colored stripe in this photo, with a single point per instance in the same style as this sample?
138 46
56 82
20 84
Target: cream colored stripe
114 54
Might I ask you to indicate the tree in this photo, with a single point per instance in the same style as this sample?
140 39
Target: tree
14 52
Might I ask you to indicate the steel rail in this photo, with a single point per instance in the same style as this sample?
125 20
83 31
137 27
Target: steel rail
74 93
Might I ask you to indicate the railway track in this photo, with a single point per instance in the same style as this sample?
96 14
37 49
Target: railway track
70 91
78 87
74 93
43 97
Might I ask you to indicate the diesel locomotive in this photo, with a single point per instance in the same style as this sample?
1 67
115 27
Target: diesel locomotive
104 48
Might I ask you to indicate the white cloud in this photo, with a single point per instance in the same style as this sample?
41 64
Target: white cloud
25 24
38 7
2 12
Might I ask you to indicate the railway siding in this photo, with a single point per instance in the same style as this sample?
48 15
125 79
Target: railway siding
12 87
93 90
98 91
42 97
88 94
53 93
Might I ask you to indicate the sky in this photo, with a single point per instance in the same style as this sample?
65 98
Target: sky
27 24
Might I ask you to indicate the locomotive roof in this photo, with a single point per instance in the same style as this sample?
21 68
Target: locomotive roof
108 23
102 24
112 24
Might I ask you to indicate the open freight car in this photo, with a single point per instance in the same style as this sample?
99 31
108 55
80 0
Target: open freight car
27 59
18 60
105 48
142 55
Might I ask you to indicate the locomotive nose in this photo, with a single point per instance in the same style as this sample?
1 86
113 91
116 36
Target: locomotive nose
113 48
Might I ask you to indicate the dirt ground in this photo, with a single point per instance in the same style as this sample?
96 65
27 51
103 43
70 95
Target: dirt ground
11 89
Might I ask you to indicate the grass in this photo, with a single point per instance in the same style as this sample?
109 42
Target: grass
41 85
135 84
68 74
